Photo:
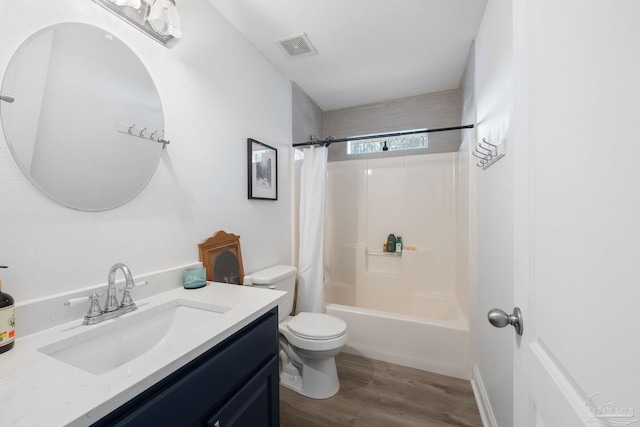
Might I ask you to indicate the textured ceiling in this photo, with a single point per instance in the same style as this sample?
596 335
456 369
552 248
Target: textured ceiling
368 50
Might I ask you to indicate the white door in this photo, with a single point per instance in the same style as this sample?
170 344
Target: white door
576 148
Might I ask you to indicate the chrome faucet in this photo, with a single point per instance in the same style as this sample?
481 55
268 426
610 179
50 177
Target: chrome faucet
112 301
112 308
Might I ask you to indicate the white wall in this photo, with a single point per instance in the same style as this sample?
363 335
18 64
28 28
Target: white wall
466 189
493 235
217 90
466 201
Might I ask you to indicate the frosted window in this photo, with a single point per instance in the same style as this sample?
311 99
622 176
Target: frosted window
375 144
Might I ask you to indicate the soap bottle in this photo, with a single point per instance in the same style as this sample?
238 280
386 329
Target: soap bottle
391 243
7 320
399 245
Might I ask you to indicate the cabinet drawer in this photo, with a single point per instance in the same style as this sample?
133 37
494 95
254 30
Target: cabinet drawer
187 396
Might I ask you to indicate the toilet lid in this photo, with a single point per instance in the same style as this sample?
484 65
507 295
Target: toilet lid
317 326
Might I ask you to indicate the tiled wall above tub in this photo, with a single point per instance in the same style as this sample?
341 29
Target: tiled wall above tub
434 110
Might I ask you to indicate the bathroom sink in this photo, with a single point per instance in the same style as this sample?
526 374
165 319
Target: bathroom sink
115 342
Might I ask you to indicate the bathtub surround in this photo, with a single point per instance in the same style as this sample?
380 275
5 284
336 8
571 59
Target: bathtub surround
412 196
412 299
200 183
312 218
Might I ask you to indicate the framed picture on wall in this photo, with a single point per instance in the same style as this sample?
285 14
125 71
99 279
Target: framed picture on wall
263 170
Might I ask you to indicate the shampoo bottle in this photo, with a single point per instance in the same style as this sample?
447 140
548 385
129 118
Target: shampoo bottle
391 243
7 320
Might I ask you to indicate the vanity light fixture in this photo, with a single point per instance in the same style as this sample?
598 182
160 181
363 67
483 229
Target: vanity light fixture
137 16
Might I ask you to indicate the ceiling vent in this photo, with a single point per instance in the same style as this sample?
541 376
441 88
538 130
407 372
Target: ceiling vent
298 45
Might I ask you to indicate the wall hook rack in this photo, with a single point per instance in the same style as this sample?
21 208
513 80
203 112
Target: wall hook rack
489 153
155 136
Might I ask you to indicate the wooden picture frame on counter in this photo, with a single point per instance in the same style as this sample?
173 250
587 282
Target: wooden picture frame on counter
221 256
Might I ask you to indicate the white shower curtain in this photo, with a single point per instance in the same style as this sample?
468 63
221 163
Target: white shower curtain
312 206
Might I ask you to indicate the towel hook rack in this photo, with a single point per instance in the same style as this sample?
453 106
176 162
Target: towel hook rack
489 155
156 136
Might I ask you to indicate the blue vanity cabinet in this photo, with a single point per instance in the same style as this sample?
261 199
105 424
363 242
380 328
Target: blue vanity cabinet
234 383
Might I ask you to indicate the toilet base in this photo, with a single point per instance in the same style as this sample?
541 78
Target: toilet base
319 379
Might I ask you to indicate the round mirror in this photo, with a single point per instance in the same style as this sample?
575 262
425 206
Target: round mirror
86 124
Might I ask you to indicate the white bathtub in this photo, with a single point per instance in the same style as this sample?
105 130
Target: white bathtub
432 334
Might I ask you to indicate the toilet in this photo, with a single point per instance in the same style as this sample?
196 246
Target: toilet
309 342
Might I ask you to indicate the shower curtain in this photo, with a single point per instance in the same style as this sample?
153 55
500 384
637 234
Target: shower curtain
312 206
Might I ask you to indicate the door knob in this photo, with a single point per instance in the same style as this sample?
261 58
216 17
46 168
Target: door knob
500 319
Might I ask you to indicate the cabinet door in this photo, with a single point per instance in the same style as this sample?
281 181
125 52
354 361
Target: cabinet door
254 404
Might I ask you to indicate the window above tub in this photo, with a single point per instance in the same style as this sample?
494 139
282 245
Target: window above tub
378 144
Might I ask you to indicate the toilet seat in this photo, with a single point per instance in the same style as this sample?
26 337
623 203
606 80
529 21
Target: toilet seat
317 326
315 332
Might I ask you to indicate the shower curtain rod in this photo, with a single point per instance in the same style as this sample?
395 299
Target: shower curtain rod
330 140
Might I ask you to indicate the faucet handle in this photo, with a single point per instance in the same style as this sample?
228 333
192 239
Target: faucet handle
94 309
135 285
74 301
126 298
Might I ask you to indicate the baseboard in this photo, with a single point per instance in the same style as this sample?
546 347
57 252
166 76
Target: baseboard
482 400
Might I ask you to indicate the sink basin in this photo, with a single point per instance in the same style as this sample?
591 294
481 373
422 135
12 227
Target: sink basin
115 342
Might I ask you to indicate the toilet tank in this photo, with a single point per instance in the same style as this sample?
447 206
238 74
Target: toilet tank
281 277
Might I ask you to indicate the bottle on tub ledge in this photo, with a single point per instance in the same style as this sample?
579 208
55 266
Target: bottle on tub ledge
399 245
7 320
391 243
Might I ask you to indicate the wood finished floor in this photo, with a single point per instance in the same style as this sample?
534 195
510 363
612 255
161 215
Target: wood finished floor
374 393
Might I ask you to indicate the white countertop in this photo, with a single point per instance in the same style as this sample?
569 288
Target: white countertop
38 390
